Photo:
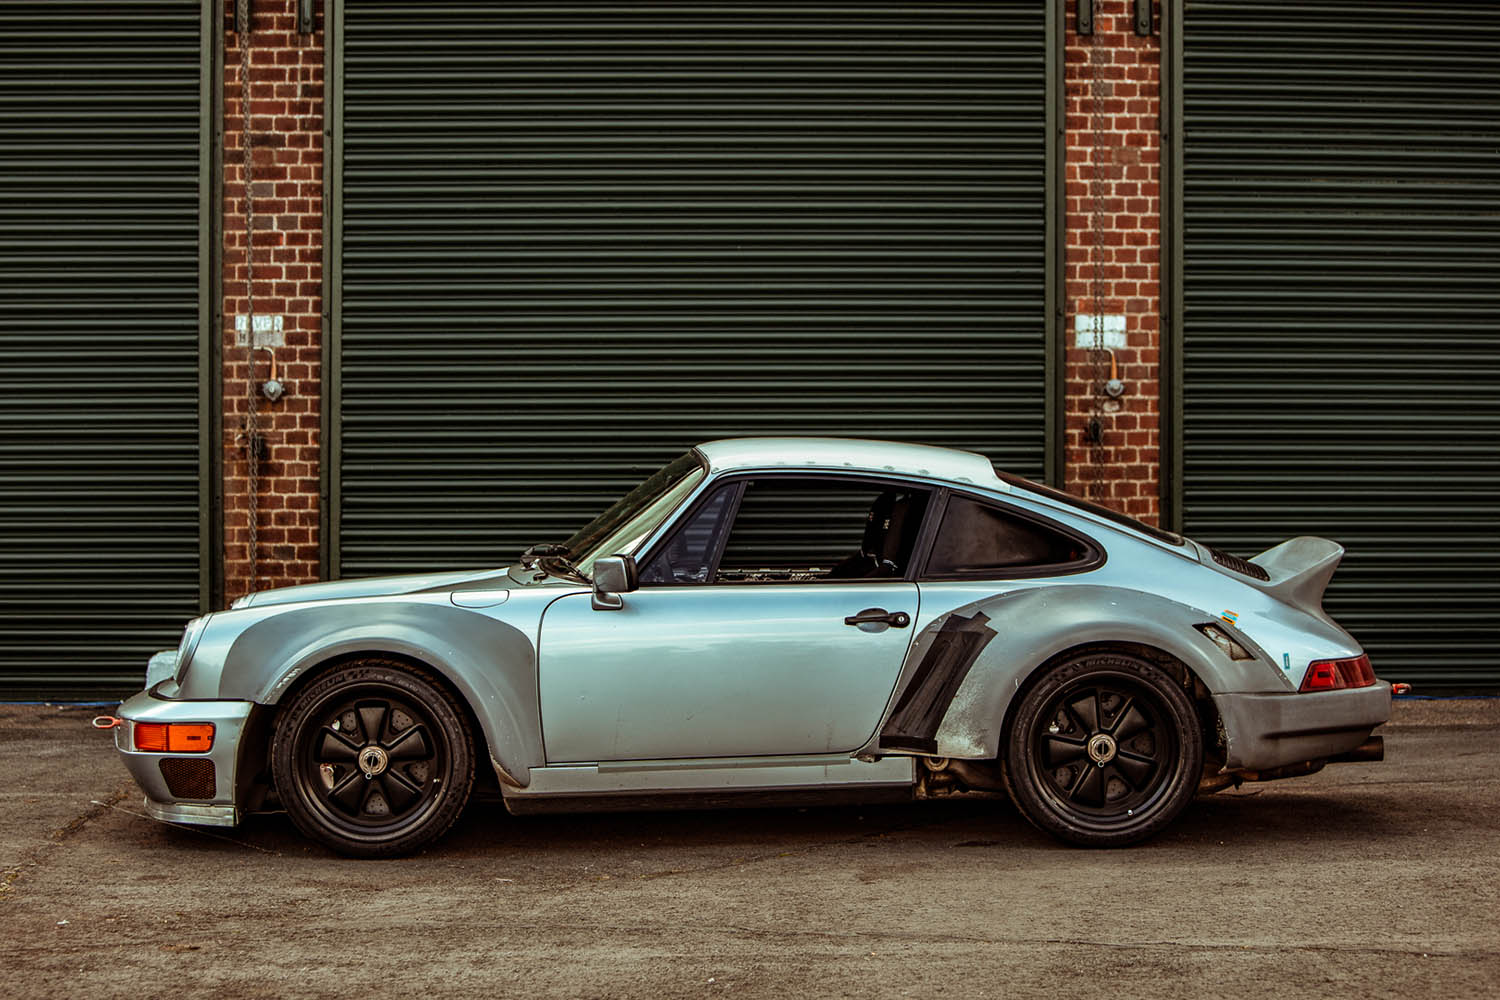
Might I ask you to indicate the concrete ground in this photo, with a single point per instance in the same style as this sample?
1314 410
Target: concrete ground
1367 880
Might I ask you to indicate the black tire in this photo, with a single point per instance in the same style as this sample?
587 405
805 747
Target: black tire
1105 750
374 759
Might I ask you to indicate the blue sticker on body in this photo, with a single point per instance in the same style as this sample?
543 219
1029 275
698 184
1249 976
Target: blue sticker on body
1230 616
1286 661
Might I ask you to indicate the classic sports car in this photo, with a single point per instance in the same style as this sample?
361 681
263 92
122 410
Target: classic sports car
771 619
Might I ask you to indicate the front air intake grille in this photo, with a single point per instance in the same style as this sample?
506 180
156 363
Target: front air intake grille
1239 565
189 777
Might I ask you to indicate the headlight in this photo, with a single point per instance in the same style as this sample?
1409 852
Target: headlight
189 643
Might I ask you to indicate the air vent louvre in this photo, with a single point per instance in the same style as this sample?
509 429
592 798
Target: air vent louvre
1243 566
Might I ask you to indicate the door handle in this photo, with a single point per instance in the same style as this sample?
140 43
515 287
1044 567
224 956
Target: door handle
879 616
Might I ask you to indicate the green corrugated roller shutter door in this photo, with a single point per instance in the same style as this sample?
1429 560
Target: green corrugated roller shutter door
99 271
578 238
1342 283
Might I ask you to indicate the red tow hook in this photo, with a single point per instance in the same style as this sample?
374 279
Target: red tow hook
107 722
1400 688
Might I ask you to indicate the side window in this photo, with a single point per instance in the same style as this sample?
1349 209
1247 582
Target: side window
797 530
976 539
691 550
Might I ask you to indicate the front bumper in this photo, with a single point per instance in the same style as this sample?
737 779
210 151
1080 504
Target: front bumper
229 719
1272 730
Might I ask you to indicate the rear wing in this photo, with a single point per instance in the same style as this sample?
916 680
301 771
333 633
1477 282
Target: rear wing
1300 569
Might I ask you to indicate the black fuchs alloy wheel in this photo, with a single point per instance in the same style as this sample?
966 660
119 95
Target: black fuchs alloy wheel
1105 751
373 759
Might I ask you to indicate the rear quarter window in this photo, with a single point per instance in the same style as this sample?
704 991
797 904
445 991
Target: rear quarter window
977 540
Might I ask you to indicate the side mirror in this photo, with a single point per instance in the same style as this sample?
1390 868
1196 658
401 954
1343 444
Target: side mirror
613 576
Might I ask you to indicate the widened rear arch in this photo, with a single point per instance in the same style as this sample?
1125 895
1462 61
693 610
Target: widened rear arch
1038 628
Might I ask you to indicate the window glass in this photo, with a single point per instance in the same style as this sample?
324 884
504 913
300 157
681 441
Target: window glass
689 553
623 526
976 538
1114 516
795 530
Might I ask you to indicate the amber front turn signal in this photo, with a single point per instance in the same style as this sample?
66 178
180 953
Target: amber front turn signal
174 737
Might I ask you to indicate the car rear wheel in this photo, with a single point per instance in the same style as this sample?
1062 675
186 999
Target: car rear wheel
1105 750
373 759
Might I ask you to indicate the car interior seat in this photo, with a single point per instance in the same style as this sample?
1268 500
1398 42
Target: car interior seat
892 517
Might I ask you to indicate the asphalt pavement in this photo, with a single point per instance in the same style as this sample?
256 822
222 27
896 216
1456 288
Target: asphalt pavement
1366 880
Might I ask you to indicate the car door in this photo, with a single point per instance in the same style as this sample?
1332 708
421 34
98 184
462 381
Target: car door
773 621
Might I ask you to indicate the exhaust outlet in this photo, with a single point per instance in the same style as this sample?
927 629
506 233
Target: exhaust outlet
1372 749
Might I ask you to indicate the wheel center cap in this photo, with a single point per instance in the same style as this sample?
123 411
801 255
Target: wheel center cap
373 760
1102 748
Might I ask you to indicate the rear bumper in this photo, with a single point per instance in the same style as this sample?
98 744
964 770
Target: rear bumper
228 718
1271 730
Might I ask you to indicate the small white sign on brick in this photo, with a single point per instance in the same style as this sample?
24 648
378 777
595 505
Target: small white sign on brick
268 331
1090 328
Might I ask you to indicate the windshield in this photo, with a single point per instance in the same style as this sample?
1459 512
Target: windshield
626 524
1170 537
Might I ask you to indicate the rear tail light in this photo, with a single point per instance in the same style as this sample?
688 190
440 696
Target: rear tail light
1333 675
174 737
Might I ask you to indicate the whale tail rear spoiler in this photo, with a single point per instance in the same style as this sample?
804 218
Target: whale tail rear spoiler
1300 569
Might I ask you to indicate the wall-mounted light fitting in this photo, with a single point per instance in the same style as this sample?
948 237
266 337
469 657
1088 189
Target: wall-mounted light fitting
305 21
1085 19
272 388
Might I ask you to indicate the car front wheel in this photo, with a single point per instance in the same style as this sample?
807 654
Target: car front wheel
1105 750
373 759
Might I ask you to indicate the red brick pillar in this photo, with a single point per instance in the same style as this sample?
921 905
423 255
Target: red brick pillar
1113 95
286 104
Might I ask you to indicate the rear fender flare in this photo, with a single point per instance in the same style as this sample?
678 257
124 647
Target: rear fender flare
1032 625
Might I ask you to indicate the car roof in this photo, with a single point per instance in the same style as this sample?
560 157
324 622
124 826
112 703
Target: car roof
851 455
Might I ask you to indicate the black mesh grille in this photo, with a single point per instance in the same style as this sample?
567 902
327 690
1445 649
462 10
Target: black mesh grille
189 777
1239 565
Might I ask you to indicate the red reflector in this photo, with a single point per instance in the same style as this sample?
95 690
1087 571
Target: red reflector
1357 672
1333 675
175 737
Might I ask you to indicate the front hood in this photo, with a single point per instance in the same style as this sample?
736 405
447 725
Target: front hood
375 586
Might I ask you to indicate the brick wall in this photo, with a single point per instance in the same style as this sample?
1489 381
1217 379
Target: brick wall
286 104
1124 174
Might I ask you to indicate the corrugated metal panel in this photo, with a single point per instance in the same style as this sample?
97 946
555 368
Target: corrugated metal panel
578 238
99 169
1341 288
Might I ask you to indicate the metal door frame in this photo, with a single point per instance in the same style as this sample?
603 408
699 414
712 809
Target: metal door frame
1170 411
211 309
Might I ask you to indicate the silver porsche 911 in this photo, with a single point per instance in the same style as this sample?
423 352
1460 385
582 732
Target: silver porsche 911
771 619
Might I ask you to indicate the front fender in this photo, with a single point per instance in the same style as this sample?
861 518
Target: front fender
490 663
1034 624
